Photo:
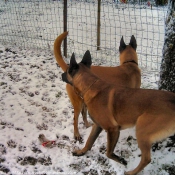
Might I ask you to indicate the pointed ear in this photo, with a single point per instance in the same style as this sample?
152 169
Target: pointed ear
87 60
73 68
73 62
133 42
122 45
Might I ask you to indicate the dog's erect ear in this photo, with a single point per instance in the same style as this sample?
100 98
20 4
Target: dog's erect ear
73 63
73 66
87 60
133 42
122 45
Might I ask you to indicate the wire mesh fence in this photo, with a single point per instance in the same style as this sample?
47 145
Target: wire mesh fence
36 24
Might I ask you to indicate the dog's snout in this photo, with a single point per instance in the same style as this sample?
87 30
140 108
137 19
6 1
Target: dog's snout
64 78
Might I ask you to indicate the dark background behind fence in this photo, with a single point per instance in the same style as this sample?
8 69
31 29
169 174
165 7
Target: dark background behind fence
36 23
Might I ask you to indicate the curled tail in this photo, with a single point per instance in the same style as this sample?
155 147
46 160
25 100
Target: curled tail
57 51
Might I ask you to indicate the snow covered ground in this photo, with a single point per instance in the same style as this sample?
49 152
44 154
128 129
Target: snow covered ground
34 101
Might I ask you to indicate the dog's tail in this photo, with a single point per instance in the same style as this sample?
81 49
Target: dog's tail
57 51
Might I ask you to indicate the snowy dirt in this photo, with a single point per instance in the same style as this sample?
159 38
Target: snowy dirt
33 101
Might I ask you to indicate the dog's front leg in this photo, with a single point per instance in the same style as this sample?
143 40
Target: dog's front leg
84 114
112 138
96 130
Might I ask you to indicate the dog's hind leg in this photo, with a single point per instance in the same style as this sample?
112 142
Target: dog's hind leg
96 130
149 129
144 132
145 148
112 138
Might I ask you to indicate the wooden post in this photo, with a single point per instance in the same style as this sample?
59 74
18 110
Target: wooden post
65 25
98 24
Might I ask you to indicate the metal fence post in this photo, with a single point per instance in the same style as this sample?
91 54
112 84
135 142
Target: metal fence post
98 24
65 26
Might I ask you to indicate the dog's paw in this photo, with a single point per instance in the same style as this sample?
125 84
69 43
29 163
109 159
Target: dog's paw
78 138
78 153
121 160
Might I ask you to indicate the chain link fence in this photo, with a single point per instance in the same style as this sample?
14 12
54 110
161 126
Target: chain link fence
36 23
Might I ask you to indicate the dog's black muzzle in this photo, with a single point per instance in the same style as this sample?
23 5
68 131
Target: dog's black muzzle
64 78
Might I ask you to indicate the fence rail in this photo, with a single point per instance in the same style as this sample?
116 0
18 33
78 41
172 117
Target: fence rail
36 24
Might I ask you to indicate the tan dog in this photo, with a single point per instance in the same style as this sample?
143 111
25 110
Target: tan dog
114 107
127 74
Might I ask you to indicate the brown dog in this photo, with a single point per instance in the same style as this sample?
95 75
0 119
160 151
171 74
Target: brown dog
114 107
127 74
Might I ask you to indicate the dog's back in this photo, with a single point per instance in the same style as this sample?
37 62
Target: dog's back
127 75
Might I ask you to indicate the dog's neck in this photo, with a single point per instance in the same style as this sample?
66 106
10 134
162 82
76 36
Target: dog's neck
82 92
129 55
130 61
